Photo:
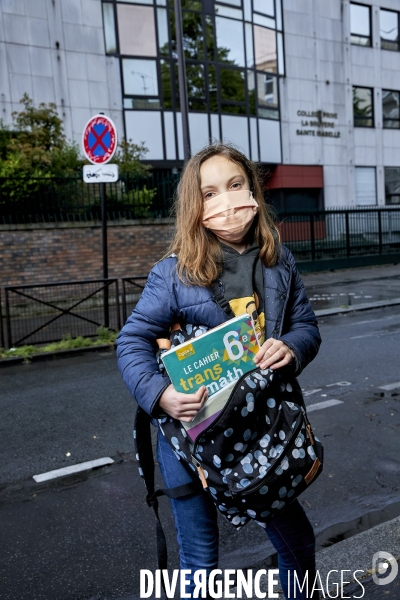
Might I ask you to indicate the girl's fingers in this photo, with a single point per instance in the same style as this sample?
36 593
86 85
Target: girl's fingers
279 364
261 353
186 419
278 357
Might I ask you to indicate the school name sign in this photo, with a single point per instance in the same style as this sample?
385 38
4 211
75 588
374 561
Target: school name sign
318 123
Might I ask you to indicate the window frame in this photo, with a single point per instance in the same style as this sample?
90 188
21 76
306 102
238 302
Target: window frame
358 168
372 117
211 102
398 30
383 116
397 204
364 37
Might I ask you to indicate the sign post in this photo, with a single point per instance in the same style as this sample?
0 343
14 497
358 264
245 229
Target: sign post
183 98
99 142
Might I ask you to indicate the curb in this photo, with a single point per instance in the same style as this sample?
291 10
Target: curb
325 312
41 356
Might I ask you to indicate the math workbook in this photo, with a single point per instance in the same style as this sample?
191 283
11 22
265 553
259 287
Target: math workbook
215 359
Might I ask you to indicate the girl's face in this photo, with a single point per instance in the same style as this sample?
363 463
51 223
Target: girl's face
218 175
229 218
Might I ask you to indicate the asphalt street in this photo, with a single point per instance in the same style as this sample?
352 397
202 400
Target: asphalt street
87 536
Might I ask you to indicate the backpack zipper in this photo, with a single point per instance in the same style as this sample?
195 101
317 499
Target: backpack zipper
200 472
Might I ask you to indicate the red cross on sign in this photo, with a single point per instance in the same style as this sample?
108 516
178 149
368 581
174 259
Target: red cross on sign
99 139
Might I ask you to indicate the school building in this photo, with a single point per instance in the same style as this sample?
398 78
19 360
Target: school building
310 88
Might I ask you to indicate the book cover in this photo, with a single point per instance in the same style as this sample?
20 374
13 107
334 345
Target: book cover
215 359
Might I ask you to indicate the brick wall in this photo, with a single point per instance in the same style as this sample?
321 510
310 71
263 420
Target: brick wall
61 252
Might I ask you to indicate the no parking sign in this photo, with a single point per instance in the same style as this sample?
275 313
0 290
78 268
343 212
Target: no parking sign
99 139
99 142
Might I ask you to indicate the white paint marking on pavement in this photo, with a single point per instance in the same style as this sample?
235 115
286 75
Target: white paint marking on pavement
90 464
339 383
325 404
309 392
376 334
390 386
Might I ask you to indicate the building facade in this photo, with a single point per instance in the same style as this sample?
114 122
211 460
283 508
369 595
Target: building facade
310 88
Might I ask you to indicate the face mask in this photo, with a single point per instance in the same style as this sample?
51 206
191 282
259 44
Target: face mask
230 214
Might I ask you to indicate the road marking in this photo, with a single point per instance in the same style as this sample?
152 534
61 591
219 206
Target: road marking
390 386
325 404
90 464
309 392
339 383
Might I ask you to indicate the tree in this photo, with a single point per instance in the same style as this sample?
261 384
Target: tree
41 171
38 147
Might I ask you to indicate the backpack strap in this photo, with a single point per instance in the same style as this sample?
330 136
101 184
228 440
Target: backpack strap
217 291
145 457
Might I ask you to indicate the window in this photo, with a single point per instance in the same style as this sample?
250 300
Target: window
233 2
265 7
389 29
363 107
360 24
265 49
226 11
109 28
267 88
391 109
193 44
140 77
233 91
392 185
230 41
162 23
136 27
365 186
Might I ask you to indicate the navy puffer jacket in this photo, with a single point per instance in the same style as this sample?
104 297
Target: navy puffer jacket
165 300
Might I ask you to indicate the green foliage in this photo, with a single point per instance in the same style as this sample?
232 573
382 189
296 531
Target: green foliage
41 171
38 148
140 200
128 157
104 336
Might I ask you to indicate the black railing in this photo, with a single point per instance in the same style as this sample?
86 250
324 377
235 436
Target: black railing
36 314
132 288
44 313
23 200
2 336
341 232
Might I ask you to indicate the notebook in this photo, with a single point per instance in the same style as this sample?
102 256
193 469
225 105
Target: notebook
215 359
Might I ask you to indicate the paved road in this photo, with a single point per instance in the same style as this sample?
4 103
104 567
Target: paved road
87 537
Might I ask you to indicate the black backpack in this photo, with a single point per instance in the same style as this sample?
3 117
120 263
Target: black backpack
255 458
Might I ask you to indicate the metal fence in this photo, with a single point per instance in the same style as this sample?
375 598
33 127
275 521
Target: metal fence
132 287
25 200
36 314
341 232
44 313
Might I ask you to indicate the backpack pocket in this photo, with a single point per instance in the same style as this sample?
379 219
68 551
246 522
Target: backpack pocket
270 452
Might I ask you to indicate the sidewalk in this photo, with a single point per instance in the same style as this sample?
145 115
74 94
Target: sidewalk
354 554
351 555
334 292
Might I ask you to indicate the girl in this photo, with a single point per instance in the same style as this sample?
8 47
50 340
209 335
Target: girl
224 233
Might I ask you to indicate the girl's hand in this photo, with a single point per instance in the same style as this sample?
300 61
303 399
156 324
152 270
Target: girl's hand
273 353
182 406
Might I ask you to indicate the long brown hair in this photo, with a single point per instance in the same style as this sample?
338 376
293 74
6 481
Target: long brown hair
197 248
